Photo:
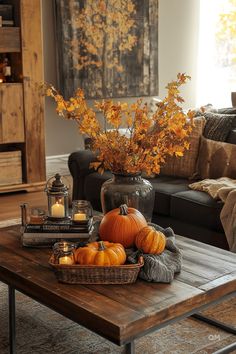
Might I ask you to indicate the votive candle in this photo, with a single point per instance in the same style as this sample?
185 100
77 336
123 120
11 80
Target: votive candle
58 210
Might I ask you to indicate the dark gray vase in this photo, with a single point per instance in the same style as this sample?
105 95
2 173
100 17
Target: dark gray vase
132 190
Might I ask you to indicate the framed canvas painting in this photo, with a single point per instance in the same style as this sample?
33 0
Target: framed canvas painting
109 48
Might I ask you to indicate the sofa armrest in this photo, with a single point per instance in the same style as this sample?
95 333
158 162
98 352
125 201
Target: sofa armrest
78 164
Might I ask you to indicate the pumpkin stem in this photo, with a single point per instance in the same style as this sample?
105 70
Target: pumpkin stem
101 246
123 209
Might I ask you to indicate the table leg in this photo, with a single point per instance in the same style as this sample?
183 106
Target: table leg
226 350
216 323
129 348
12 319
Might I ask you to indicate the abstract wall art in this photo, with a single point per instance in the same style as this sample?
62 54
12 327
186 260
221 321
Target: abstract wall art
109 48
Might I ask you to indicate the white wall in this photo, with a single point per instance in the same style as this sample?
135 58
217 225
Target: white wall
178 41
178 44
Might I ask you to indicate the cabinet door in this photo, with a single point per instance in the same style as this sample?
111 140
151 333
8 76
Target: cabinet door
11 113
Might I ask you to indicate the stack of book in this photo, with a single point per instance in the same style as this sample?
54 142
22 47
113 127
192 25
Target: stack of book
48 233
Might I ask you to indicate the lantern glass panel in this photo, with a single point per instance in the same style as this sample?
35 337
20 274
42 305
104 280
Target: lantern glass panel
82 211
64 253
58 205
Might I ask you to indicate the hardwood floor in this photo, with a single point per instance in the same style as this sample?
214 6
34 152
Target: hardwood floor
10 203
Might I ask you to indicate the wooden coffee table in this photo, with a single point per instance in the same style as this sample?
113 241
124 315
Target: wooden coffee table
119 313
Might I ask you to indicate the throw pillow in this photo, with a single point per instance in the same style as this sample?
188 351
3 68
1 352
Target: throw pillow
185 166
199 112
230 110
216 159
218 126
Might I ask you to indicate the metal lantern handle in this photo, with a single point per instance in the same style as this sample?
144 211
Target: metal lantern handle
56 185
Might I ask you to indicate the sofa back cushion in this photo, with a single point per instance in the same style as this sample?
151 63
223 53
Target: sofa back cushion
186 166
216 159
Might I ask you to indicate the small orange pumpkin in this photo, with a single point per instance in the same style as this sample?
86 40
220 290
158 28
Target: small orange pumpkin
122 225
149 240
101 254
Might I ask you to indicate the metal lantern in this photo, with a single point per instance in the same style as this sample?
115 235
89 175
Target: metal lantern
58 198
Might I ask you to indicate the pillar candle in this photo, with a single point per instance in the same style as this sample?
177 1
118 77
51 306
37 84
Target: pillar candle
58 210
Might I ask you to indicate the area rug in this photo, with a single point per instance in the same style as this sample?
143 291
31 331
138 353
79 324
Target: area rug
43 331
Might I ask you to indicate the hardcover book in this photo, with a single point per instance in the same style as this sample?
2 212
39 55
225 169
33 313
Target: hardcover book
46 239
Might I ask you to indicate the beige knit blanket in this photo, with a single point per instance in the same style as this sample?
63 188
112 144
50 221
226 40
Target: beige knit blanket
223 189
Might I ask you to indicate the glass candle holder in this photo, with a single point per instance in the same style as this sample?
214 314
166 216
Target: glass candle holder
37 216
64 252
82 211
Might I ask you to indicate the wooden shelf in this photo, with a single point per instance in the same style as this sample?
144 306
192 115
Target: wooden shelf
10 40
12 115
28 187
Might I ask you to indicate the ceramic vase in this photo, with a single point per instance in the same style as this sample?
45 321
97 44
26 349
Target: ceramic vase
130 189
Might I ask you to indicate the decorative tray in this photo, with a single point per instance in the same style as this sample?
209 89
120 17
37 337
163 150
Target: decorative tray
92 274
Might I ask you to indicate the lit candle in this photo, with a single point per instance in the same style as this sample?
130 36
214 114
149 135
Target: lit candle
58 210
1 80
79 217
66 260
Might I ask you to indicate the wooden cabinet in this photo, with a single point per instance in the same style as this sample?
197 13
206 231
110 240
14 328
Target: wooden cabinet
21 103
12 114
10 39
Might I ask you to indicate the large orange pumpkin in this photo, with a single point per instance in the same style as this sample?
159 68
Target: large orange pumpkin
101 254
149 240
122 225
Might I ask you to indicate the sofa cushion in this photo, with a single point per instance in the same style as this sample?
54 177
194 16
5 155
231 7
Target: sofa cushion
197 208
164 187
218 126
186 166
216 159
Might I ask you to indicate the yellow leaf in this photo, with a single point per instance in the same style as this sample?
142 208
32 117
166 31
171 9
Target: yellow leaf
179 153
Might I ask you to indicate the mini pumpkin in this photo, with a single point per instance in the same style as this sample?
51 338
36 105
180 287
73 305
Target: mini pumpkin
122 225
149 240
101 253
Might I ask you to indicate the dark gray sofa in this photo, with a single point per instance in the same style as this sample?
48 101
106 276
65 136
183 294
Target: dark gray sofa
191 213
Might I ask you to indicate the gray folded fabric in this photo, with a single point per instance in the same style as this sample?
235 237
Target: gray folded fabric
160 268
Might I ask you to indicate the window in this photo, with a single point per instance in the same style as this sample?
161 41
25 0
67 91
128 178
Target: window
217 52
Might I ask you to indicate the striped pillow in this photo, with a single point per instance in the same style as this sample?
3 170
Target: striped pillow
218 126
186 166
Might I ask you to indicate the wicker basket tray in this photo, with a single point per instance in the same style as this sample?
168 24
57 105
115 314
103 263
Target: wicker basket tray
91 274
